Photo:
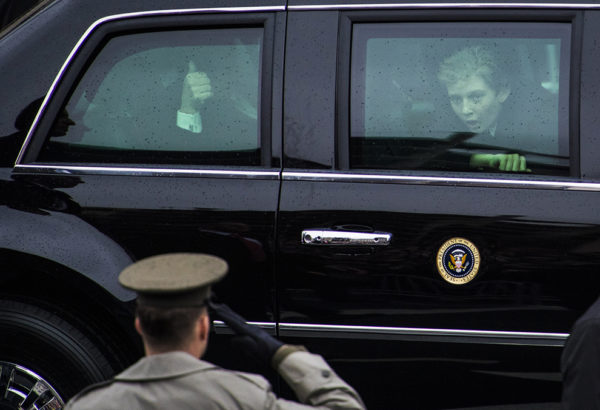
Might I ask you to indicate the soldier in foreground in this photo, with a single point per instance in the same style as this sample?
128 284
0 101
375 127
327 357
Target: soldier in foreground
172 319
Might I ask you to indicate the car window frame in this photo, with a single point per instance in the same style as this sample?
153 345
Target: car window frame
349 18
100 32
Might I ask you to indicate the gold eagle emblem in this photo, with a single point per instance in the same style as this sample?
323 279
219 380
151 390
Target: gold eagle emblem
458 261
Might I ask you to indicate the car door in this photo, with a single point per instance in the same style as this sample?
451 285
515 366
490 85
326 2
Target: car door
428 279
114 139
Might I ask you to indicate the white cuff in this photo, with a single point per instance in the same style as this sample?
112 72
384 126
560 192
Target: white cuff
189 122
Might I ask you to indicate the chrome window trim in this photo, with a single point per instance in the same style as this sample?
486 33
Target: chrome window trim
316 7
305 176
434 180
147 171
124 16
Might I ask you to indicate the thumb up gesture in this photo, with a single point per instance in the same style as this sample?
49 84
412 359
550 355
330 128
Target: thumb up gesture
196 87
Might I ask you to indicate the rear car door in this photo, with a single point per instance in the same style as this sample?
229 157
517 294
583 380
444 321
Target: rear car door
429 279
113 138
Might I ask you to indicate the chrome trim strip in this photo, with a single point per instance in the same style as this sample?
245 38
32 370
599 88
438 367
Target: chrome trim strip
134 171
115 17
425 334
406 334
315 7
222 329
432 180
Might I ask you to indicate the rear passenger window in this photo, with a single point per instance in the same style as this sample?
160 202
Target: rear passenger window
474 97
188 96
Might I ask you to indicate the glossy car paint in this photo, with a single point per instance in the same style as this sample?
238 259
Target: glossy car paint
382 316
537 239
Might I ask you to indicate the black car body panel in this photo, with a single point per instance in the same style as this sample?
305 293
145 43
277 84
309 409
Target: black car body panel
284 213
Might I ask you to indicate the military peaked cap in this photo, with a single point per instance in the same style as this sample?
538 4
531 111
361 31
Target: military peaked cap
174 280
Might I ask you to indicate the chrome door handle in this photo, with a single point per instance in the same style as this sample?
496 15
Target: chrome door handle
332 237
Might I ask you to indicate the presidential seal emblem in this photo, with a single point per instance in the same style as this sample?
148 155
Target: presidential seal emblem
458 261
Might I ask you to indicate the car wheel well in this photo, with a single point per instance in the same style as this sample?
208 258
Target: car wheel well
105 320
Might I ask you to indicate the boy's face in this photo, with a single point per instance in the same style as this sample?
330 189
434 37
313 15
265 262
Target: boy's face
476 103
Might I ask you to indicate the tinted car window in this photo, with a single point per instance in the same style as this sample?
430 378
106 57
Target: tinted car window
463 97
10 10
166 97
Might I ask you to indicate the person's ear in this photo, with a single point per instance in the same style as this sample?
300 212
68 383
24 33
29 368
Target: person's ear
203 327
503 94
138 325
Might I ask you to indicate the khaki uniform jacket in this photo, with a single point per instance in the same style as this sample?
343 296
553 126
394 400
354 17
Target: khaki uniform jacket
177 380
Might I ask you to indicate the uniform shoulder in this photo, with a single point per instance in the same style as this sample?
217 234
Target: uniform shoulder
243 377
87 390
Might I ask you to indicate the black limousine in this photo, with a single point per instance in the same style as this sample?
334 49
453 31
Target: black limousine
409 189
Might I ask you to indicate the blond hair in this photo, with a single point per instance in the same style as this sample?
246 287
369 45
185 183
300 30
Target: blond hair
474 60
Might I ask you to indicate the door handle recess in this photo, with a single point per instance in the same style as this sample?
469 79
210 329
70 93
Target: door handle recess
332 237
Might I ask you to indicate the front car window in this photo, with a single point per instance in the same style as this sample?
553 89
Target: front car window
189 96
473 97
